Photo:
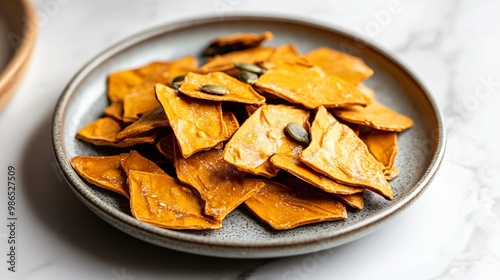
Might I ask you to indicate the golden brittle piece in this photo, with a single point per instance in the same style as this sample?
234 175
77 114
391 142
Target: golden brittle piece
250 109
104 131
292 165
310 87
139 103
166 146
285 54
103 171
338 153
197 124
284 207
383 145
115 110
288 159
376 116
101 130
153 119
226 62
350 68
135 161
353 200
366 90
125 82
391 173
356 128
219 183
141 81
231 122
120 84
145 138
261 136
236 42
238 91
163 201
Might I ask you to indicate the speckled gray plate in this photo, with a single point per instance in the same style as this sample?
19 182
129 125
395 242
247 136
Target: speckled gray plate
243 236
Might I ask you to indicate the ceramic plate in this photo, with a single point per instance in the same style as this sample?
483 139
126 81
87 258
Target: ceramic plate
242 235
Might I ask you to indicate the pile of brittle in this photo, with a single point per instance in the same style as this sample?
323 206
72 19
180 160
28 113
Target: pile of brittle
296 138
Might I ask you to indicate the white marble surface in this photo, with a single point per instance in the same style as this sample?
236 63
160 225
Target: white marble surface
451 232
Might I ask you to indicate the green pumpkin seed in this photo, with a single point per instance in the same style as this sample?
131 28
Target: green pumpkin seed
250 68
178 79
214 89
210 51
248 77
297 132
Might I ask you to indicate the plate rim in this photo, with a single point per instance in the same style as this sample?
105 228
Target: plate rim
339 236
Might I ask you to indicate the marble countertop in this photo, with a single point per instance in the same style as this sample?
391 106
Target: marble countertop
451 232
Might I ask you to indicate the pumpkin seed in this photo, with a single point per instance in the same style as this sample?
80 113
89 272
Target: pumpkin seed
210 51
250 68
248 77
176 85
178 79
297 132
214 89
